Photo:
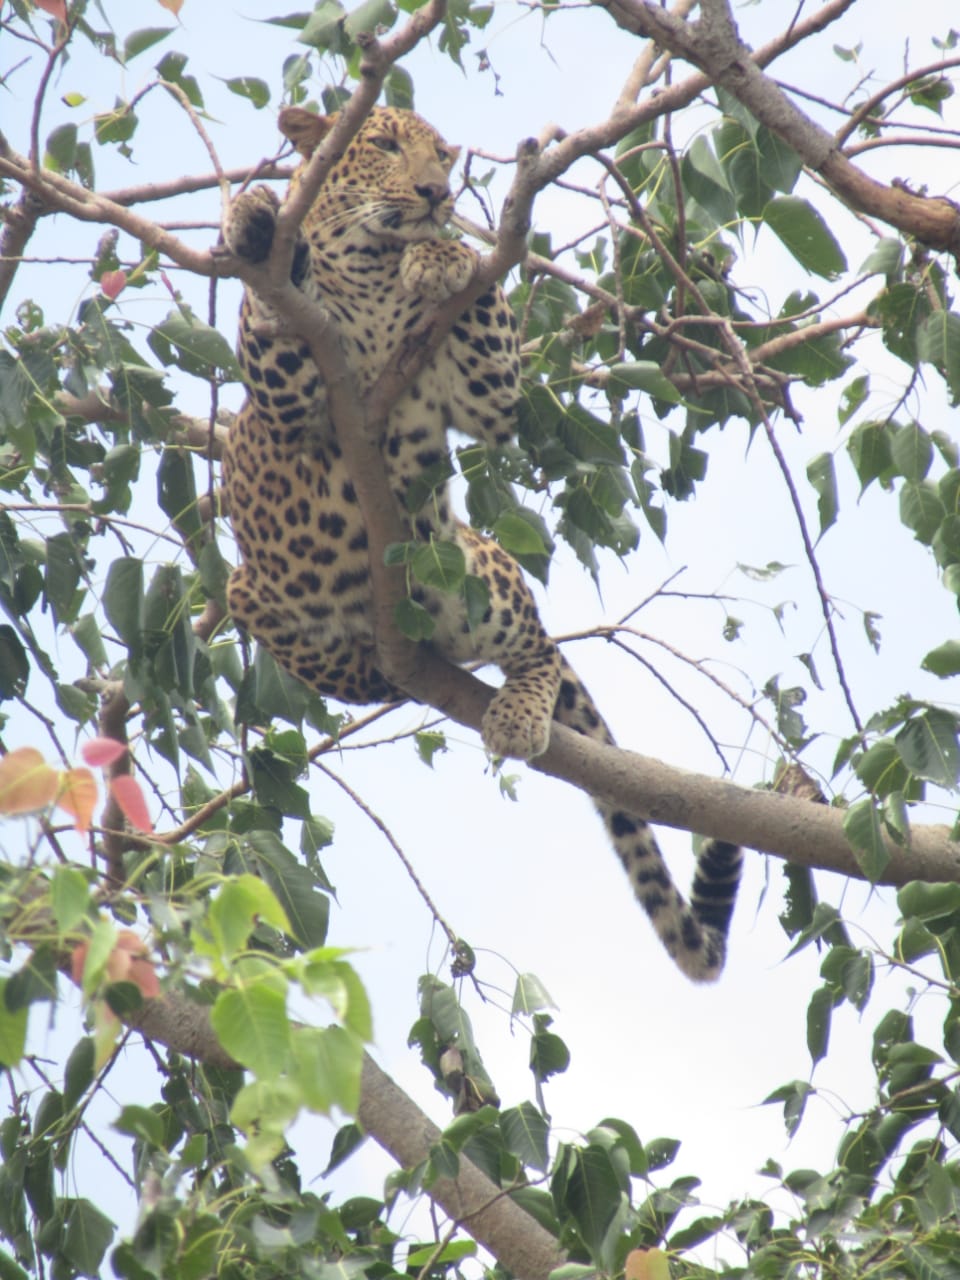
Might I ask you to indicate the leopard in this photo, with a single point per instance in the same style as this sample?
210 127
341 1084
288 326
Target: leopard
375 251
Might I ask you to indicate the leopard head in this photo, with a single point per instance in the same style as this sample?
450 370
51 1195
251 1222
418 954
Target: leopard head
393 179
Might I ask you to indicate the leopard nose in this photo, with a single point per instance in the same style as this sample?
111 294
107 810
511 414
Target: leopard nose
433 192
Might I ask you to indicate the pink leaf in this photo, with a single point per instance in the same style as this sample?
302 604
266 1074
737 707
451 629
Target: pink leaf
128 795
102 752
112 283
56 8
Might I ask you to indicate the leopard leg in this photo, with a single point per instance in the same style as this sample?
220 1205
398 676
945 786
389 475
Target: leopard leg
517 722
695 933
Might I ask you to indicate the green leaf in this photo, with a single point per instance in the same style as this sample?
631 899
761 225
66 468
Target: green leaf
80 1071
368 16
177 495
328 1062
139 41
61 148
296 887
928 747
398 89
819 1013
413 621
13 1030
643 375
118 125
476 599
549 1056
428 742
141 1122
821 474
944 660
526 1134
870 452
588 438
805 234
195 347
346 1140
518 536
322 30
252 1026
69 897
249 87
530 995
911 452
886 258
88 1235
14 664
938 342
123 600
243 902
923 900
921 510
452 1252
590 1191
794 1098
861 826
439 564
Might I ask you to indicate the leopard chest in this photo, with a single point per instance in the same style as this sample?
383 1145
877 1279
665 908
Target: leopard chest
295 514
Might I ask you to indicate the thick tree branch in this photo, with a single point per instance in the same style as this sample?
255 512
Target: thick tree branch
398 1125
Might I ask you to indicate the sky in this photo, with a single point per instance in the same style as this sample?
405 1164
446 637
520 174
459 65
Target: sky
532 885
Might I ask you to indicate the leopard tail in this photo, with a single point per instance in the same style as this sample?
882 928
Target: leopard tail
695 933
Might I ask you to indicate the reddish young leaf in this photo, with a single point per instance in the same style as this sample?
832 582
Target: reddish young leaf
128 795
129 962
78 796
113 283
173 5
102 752
27 782
56 8
78 961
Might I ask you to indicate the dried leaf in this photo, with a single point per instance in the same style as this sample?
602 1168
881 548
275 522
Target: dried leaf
27 782
78 796
129 796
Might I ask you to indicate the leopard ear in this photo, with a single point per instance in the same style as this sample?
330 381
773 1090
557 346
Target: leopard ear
304 129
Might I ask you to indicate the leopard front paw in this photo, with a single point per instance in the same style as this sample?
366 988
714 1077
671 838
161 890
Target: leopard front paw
437 269
512 729
250 223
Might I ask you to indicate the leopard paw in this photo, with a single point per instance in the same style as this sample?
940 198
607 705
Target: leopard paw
514 730
250 224
437 269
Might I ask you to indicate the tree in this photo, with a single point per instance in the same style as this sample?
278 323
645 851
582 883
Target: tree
704 287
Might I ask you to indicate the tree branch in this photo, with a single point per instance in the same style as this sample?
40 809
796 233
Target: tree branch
715 47
399 1126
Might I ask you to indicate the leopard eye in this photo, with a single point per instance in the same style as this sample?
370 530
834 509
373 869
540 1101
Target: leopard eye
444 156
384 143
